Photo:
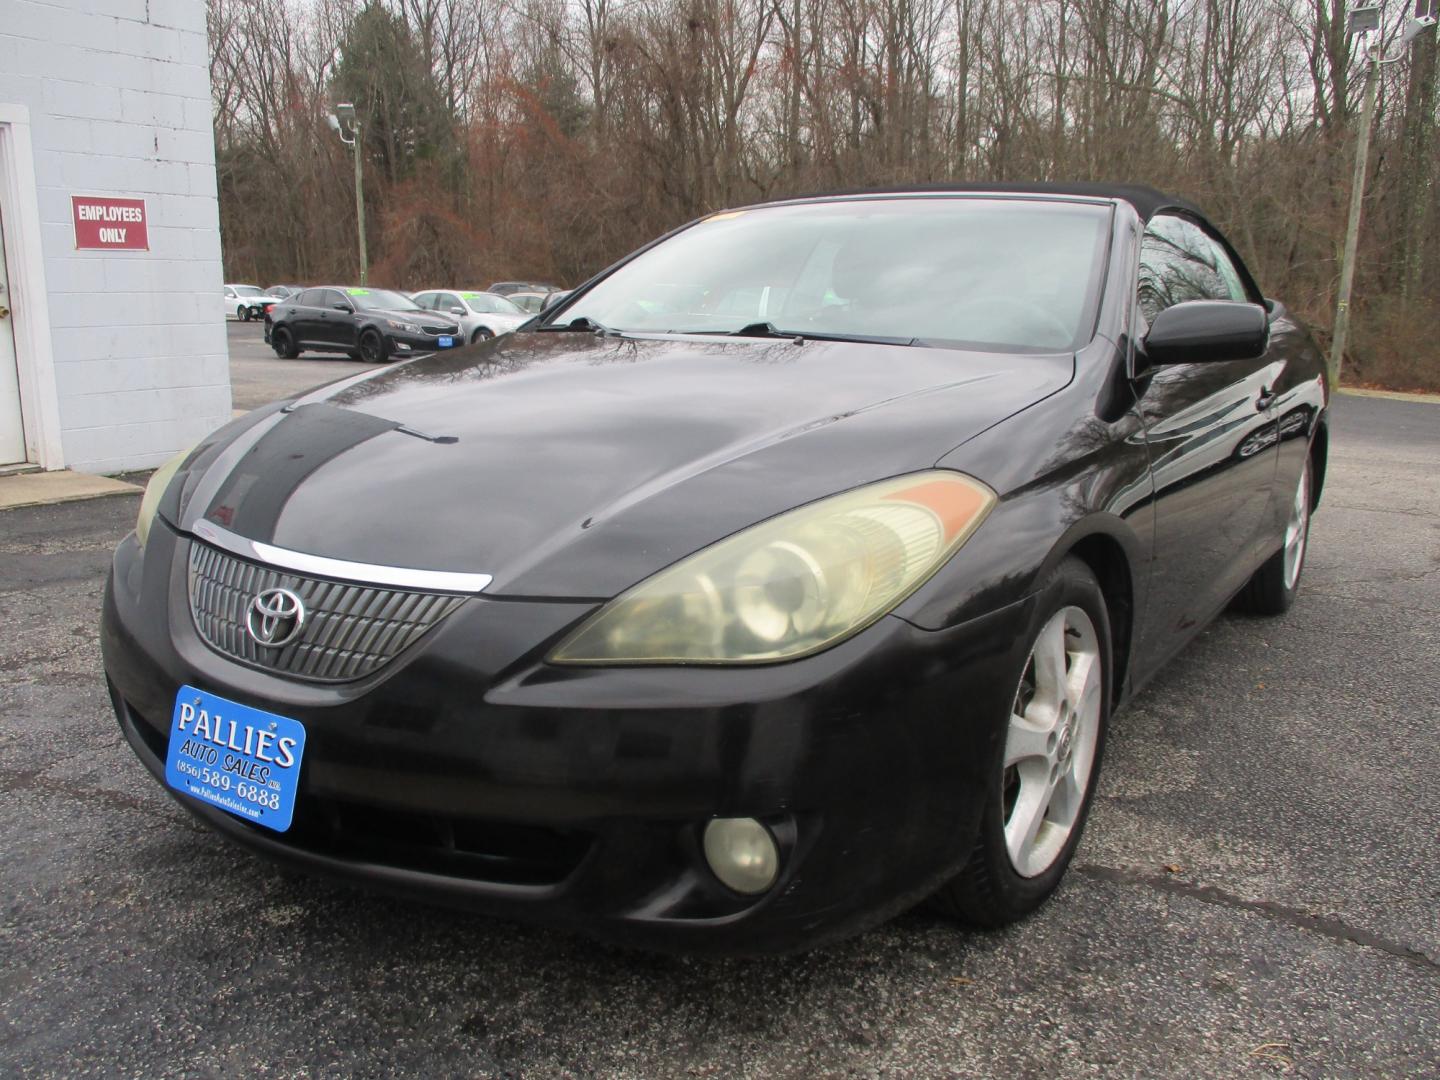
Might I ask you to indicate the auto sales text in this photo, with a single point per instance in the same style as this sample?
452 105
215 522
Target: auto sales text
209 735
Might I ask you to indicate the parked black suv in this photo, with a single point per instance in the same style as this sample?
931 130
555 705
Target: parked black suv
370 324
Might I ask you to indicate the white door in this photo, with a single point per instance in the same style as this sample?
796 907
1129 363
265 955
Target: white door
12 435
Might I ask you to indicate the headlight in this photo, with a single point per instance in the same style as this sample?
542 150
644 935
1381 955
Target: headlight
154 491
400 324
792 585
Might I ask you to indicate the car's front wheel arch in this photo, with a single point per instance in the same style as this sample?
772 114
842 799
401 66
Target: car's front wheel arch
1105 544
1108 562
1319 456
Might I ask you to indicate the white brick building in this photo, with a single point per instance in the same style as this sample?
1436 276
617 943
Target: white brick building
110 359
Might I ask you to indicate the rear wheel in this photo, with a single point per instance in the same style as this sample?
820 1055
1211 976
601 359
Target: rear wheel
373 348
283 342
1044 774
482 333
1274 586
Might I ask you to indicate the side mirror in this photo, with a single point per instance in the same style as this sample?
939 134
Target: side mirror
457 311
1199 331
344 307
554 300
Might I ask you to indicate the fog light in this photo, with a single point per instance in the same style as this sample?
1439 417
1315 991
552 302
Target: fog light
742 854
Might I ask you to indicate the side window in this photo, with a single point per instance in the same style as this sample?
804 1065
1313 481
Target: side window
445 301
1226 267
311 298
334 296
1178 263
425 300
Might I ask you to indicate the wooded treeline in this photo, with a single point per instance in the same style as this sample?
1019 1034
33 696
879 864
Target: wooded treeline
545 138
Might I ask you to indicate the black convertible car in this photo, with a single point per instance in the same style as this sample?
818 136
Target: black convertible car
787 574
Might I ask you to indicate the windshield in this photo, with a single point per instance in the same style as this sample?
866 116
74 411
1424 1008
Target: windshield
248 290
381 300
485 304
1007 274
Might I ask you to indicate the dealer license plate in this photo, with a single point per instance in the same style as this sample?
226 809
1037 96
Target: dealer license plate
245 761
446 342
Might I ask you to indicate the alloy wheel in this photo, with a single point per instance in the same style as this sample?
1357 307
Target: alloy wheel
1051 741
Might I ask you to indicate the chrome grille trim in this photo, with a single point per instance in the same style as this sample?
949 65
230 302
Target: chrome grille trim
402 577
351 630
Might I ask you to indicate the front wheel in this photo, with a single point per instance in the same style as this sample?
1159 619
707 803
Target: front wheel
1272 588
243 314
482 333
373 347
1044 772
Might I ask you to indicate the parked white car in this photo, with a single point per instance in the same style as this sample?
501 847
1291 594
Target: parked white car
245 302
481 315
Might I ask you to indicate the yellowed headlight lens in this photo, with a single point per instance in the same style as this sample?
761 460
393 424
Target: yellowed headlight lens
793 585
154 490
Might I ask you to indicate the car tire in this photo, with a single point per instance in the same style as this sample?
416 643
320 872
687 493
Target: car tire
374 349
242 313
482 333
1273 588
283 342
1046 764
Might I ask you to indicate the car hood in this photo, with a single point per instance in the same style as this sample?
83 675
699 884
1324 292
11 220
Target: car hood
574 465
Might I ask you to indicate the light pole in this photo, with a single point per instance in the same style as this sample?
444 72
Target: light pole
343 120
1363 22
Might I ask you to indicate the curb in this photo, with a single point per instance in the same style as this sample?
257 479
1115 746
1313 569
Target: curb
60 486
1392 395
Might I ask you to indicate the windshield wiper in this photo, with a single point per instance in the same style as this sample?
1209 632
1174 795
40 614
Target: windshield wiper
581 323
770 330
764 329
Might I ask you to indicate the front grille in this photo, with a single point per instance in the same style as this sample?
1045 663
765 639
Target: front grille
439 330
349 630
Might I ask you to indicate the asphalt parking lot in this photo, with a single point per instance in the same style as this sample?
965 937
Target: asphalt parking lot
1258 892
257 375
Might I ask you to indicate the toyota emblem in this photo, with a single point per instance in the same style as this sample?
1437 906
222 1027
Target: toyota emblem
274 617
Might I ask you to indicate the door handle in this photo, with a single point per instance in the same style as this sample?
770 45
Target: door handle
1265 400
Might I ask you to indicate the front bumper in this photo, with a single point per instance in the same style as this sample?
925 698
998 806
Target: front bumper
407 344
471 773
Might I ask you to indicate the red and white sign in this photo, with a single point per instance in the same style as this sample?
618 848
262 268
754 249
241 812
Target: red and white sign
109 224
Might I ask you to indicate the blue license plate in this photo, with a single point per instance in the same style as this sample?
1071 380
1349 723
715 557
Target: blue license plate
245 761
446 342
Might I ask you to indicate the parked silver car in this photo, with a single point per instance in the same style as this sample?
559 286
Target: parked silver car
481 315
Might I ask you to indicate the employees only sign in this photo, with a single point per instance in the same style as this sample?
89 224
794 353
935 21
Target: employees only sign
109 224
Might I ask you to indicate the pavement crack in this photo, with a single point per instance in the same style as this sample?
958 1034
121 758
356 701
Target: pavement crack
1329 926
1407 511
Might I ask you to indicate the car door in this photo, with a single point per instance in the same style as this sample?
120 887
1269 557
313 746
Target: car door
304 319
1210 430
446 305
338 321
227 301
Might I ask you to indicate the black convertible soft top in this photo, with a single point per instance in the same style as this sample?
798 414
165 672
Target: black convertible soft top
1146 200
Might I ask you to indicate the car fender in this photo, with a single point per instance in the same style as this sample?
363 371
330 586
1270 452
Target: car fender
1063 473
